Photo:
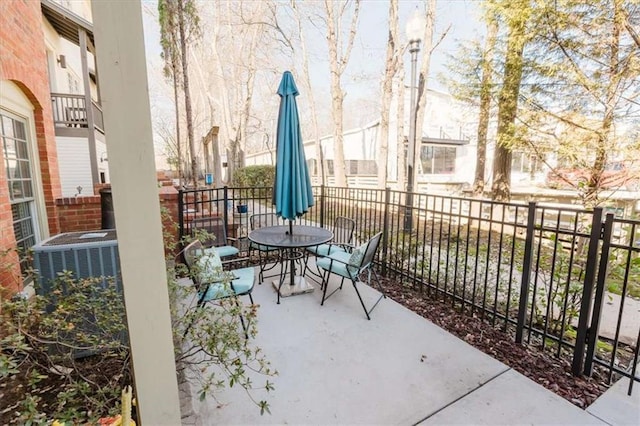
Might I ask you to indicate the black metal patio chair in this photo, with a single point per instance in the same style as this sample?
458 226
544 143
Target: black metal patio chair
214 225
343 229
351 266
213 282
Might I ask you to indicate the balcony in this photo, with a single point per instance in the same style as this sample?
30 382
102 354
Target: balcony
70 115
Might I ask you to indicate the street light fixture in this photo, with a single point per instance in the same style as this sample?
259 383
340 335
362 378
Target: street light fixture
414 31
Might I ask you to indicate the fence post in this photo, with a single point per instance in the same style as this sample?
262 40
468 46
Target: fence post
225 214
385 229
599 299
587 292
526 271
322 206
181 214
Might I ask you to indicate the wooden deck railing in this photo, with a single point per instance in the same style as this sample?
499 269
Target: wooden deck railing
70 110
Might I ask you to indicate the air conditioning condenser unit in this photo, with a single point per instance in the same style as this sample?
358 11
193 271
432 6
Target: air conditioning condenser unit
85 254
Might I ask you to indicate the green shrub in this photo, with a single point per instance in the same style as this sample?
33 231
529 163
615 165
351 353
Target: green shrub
64 354
254 176
211 348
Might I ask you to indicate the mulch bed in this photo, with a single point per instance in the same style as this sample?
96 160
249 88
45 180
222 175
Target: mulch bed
542 367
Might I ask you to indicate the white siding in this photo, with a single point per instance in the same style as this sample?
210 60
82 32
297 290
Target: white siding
74 165
102 159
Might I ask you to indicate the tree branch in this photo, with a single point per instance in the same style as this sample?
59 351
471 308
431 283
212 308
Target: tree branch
352 35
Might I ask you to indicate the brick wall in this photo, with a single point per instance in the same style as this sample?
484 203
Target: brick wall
79 213
169 201
23 62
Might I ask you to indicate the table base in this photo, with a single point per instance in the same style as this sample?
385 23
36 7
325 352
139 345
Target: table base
300 286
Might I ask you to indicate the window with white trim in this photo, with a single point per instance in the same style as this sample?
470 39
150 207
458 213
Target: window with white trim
15 146
438 160
524 162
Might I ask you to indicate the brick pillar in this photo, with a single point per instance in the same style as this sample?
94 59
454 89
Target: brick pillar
169 204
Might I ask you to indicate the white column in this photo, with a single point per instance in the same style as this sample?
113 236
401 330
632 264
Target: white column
120 58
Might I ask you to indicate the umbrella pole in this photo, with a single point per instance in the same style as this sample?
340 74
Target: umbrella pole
292 263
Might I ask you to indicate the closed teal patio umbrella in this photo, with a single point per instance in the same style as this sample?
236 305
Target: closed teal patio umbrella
292 193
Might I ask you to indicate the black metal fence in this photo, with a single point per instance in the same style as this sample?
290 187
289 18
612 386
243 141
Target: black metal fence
555 277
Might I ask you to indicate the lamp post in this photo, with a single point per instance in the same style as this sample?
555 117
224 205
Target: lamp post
414 31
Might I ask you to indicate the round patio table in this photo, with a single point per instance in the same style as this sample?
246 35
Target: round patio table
290 239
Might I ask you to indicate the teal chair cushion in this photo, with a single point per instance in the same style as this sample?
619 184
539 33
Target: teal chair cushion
325 249
242 280
223 251
339 266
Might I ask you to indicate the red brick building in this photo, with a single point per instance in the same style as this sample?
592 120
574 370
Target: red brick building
29 177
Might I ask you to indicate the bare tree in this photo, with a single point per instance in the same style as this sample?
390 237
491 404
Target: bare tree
339 54
234 69
400 139
393 56
428 47
321 164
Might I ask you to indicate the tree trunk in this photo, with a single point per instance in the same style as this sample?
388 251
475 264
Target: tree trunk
400 138
176 101
337 97
602 148
485 105
391 67
338 64
423 78
187 95
508 100
321 164
245 112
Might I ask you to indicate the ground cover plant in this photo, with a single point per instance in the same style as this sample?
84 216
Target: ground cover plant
63 354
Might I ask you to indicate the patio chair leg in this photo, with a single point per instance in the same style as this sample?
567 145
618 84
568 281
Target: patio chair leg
306 263
283 276
361 301
312 274
244 327
325 285
261 276
378 283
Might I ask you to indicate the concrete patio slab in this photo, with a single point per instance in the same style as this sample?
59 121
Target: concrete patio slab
616 407
511 399
335 367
